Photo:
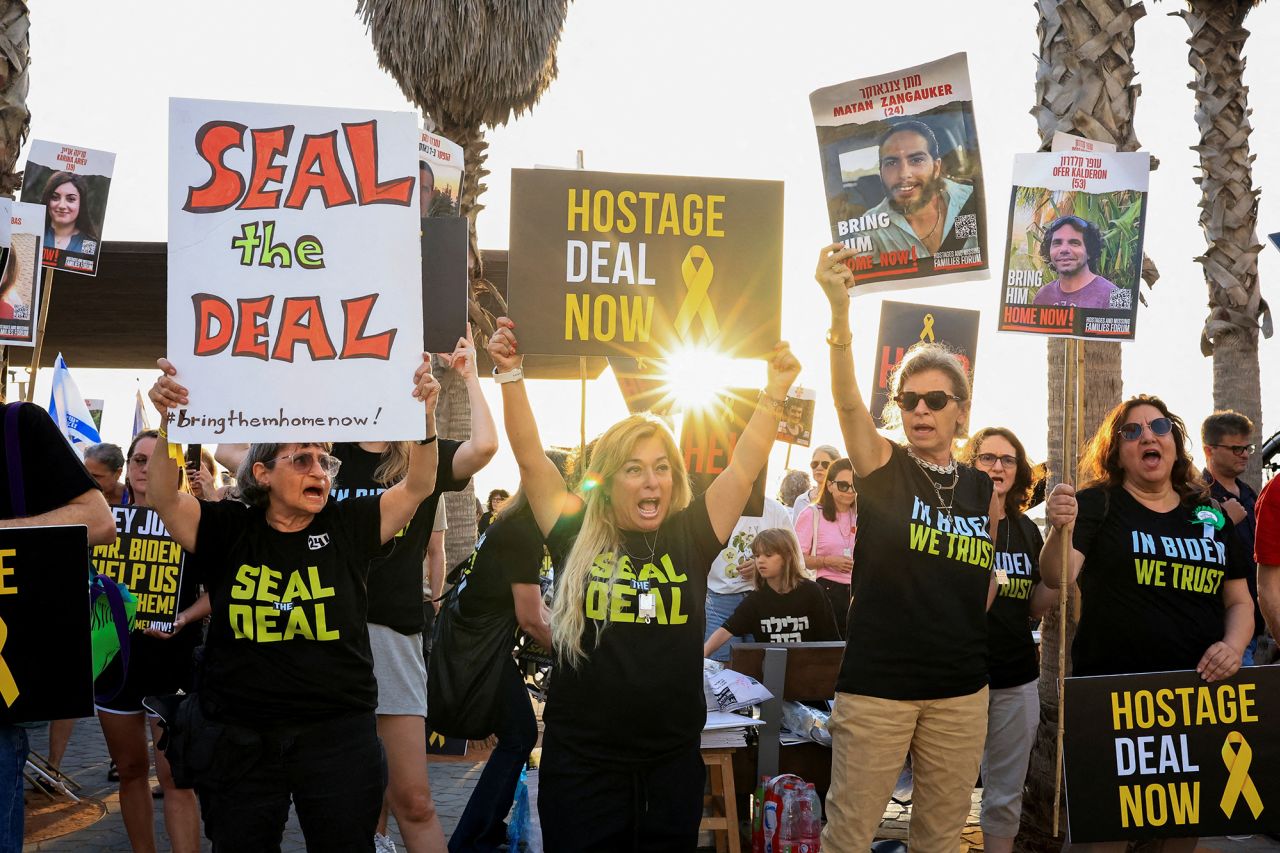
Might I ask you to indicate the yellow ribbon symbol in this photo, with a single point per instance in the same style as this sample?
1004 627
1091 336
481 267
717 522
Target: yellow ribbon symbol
927 331
435 738
1238 782
8 687
697 280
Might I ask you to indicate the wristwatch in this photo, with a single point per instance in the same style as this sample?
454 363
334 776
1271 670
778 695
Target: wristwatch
515 374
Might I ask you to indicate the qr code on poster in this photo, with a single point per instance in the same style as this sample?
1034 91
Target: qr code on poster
966 226
1121 297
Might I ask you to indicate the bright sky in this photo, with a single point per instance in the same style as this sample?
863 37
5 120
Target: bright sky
672 87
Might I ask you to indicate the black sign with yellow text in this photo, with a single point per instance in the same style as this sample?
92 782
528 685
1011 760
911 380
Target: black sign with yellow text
46 664
146 560
905 324
1166 755
606 263
708 436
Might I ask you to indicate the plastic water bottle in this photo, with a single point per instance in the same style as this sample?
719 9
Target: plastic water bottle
790 818
773 800
806 831
757 816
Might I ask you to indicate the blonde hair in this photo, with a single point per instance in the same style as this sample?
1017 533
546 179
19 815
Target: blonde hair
779 540
599 534
394 463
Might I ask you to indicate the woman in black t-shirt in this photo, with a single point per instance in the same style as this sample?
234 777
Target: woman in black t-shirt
914 675
286 693
1162 576
621 767
1013 711
786 607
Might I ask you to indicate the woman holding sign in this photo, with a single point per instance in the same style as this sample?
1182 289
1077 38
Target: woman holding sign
1144 508
914 675
621 767
284 707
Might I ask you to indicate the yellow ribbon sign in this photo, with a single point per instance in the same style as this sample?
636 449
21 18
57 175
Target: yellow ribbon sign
697 280
435 738
8 687
927 332
1238 782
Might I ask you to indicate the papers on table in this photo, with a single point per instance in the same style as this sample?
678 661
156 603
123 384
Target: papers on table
724 730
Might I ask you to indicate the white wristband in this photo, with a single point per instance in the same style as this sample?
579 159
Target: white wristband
515 374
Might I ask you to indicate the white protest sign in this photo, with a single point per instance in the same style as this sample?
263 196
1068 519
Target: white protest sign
295 298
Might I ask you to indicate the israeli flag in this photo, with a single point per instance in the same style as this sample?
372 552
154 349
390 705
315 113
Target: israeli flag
140 422
68 410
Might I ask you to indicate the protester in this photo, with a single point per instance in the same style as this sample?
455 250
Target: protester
105 463
1266 550
827 531
496 499
621 766
1142 496
786 607
823 456
203 478
55 489
730 580
70 226
914 673
793 485
159 663
1228 443
434 578
288 693
1014 708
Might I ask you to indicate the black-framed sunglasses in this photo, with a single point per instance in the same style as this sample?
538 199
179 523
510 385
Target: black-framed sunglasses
1237 449
819 463
989 460
935 400
842 486
304 459
1132 431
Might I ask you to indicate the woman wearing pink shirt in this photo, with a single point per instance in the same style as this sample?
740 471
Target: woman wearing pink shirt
827 531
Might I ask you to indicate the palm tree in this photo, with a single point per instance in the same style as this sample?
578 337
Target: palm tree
1084 86
15 118
467 65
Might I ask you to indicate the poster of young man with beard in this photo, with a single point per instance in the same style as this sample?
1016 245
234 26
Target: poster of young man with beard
903 176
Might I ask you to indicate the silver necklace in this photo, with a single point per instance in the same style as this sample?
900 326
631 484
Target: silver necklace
945 505
640 562
949 468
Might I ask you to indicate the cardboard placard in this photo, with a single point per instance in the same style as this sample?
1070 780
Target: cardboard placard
644 265
46 663
145 559
642 383
905 324
1167 755
22 282
796 426
294 264
445 283
440 166
708 436
72 183
1071 142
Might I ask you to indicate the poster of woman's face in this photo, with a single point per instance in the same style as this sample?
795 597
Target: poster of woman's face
72 183
20 273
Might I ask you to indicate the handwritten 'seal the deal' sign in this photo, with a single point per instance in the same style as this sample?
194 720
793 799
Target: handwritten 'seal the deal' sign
295 304
616 264
1166 755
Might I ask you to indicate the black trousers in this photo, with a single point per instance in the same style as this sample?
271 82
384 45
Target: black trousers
839 596
588 805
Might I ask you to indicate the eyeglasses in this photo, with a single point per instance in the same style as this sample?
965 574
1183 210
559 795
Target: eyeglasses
989 460
818 463
842 486
139 459
935 400
1237 449
303 460
1133 431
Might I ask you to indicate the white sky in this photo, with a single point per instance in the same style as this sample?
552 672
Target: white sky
673 87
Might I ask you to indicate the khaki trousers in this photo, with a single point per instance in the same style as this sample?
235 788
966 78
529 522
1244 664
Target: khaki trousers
870 741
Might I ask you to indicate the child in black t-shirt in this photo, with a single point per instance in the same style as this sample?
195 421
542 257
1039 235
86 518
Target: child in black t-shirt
786 607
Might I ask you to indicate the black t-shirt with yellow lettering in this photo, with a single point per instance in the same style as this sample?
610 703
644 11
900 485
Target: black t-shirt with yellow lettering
637 696
1151 585
287 640
918 619
1013 656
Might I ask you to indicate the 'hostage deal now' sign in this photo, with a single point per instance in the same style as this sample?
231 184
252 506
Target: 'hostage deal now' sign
644 265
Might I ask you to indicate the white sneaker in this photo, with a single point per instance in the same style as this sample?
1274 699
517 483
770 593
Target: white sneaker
383 844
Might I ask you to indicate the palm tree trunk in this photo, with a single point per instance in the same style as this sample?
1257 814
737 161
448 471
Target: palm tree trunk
1228 208
453 420
15 118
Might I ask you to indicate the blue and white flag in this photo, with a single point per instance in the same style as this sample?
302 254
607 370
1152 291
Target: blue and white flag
140 422
69 411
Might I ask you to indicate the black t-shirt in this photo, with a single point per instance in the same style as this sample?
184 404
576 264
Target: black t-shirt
918 618
637 696
288 641
1151 585
802 615
1013 656
52 476
509 551
395 578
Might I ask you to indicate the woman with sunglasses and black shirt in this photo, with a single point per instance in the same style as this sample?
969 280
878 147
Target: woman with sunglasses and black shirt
286 692
914 675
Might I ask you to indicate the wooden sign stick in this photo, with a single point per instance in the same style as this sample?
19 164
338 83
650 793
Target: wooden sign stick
44 318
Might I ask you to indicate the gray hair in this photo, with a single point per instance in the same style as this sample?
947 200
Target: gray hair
920 358
248 489
109 455
828 449
794 484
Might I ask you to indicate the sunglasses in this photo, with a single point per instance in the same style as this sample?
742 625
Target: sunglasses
818 463
1237 449
303 460
989 460
1133 431
139 459
935 400
842 486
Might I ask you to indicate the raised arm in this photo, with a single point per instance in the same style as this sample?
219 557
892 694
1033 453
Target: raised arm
541 481
401 501
868 450
179 511
89 509
477 450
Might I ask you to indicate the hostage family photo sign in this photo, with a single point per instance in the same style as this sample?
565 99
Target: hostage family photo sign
72 183
644 265
20 286
295 305
146 560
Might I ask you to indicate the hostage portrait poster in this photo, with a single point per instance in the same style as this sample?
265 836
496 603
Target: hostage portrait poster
295 298
902 175
21 284
1074 261
72 183
613 264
